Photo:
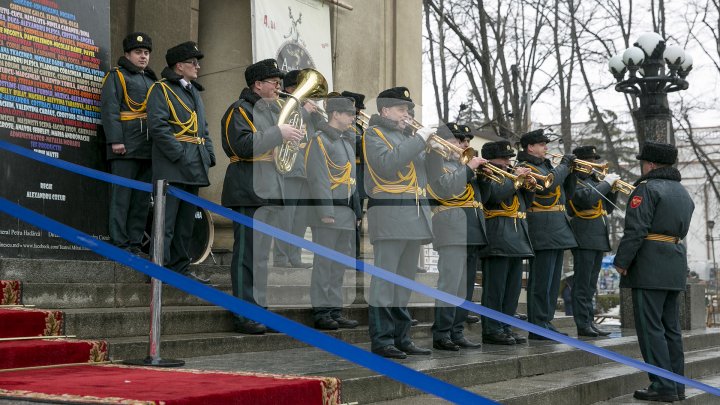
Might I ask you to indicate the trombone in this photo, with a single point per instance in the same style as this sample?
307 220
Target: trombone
583 166
446 149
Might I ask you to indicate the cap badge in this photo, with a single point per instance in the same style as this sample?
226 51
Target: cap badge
507 147
467 129
406 93
196 48
139 38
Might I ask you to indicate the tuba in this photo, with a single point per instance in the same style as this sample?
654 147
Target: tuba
311 84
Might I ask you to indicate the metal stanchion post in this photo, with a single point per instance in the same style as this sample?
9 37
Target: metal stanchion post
158 238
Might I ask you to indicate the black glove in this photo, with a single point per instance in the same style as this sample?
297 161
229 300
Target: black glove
568 159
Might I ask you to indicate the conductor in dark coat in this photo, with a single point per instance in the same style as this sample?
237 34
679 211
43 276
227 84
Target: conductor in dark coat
653 262
182 151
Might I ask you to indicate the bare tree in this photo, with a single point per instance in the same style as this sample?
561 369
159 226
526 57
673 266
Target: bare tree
502 53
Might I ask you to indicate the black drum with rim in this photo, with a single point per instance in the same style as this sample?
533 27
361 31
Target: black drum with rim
202 236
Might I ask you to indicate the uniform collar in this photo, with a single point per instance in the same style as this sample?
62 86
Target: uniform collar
665 173
173 77
526 157
125 63
377 120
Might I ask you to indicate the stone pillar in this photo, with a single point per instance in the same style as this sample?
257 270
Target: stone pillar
168 22
692 308
226 40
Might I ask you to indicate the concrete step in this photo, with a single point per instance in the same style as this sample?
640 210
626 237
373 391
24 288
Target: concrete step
178 320
223 343
489 366
578 386
106 272
694 396
587 385
106 295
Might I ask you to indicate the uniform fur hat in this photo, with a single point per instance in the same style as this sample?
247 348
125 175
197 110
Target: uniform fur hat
394 96
340 104
290 79
137 40
499 149
467 132
450 130
533 137
182 52
658 152
359 99
262 70
586 152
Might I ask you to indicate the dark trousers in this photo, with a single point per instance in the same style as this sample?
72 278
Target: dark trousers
292 218
501 287
251 250
457 266
326 292
586 269
129 207
543 286
388 316
179 222
657 322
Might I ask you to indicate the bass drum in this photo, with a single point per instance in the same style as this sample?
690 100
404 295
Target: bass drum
202 236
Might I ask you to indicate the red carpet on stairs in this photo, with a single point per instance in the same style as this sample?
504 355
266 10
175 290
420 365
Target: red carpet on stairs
16 322
10 292
42 352
115 384
17 352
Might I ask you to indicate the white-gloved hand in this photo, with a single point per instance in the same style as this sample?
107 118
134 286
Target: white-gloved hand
611 178
425 132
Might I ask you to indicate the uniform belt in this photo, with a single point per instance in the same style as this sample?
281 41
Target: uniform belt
190 139
399 189
503 213
588 213
658 237
265 158
469 204
130 115
560 208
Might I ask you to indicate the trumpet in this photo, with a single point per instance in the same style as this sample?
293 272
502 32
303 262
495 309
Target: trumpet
583 166
414 124
623 187
363 120
540 182
499 175
446 149
543 181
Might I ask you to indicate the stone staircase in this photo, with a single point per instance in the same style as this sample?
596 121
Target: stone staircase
105 300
